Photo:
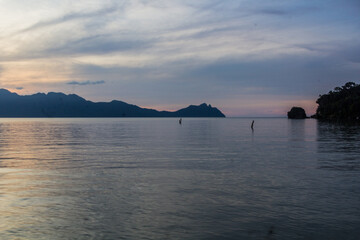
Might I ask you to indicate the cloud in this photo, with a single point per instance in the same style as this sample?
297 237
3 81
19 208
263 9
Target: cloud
86 82
282 11
69 17
99 44
274 12
19 88
288 75
348 51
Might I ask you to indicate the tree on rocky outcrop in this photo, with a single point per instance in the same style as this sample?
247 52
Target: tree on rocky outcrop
341 104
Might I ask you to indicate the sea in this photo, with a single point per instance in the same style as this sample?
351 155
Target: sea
153 178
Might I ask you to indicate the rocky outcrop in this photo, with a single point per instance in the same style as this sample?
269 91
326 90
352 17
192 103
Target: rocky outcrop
296 113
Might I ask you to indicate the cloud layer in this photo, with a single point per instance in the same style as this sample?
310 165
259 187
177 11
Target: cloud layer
238 55
86 82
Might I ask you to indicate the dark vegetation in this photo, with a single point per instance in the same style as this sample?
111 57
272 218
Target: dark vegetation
341 104
62 105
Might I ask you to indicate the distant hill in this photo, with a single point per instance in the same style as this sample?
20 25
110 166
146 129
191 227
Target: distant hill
62 105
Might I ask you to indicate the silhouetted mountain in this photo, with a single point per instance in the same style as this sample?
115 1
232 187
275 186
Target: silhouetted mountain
199 111
62 105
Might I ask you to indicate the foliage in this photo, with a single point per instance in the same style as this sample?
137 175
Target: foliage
341 104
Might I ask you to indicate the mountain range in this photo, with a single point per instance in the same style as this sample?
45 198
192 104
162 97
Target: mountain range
61 105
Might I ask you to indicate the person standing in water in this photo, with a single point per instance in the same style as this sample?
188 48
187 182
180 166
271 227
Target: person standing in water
252 125
180 120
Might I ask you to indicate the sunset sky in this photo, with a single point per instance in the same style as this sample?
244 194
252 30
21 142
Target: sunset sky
248 58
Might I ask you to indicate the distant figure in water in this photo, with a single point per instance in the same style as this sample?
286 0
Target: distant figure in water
180 120
252 125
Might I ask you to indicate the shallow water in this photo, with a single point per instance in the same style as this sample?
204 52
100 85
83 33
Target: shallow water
156 179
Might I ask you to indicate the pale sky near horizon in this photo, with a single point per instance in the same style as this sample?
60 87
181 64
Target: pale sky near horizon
246 57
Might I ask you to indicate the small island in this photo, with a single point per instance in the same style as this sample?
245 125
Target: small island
296 113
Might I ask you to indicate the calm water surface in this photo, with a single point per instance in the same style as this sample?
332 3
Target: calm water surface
156 179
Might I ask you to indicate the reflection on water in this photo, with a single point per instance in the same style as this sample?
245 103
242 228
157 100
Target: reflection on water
156 179
339 146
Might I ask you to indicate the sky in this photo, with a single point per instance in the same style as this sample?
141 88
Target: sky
246 57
